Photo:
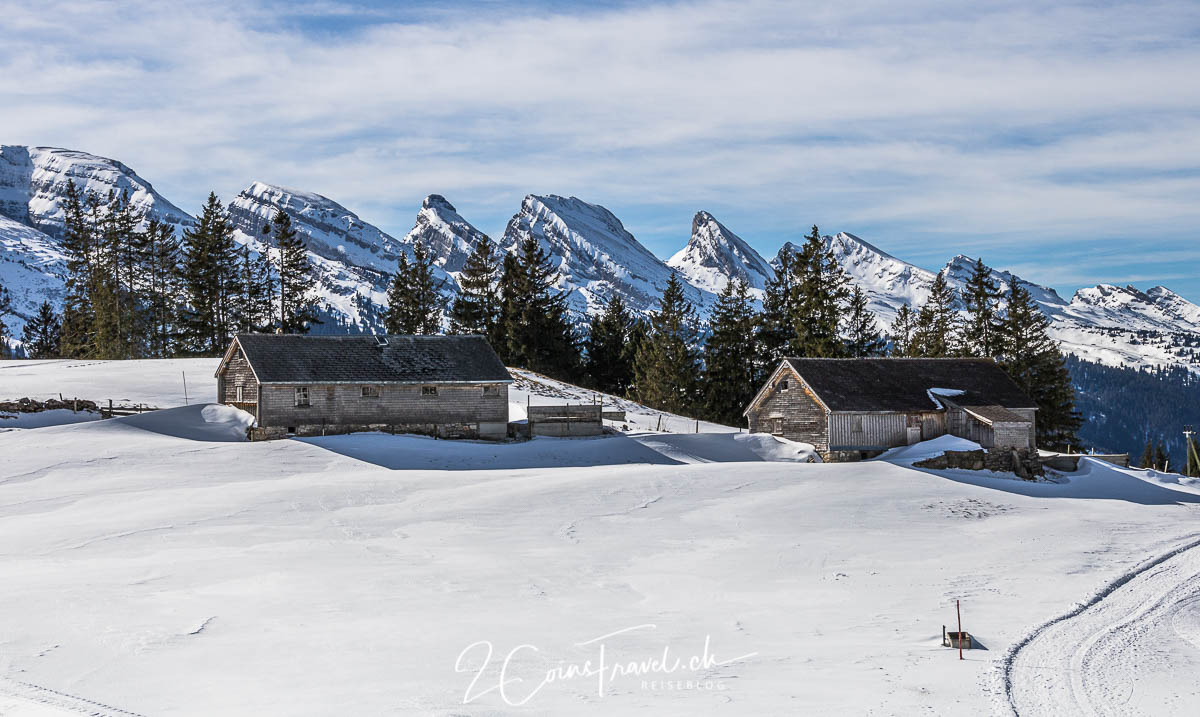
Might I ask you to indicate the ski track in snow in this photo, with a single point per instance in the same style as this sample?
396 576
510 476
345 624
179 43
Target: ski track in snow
63 701
1132 648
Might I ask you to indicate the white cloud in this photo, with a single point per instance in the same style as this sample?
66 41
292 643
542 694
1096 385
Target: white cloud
1003 125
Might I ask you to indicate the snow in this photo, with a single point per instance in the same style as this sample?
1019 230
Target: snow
153 570
714 255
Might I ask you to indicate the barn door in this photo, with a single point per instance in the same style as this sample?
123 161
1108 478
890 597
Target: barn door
929 429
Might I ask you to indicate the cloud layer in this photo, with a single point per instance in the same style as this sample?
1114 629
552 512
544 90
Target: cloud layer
1033 136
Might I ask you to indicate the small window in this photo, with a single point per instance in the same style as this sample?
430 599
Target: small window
777 426
491 390
783 385
858 424
370 392
429 390
302 395
240 390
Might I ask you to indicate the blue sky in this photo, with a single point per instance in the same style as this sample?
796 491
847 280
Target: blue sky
1061 142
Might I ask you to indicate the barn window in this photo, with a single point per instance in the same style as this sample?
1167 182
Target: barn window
783 385
370 392
777 426
240 389
302 395
429 390
491 390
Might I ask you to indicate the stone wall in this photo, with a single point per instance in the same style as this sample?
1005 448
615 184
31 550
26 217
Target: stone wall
1024 463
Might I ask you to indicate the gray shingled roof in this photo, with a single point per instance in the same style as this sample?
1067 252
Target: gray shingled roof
292 358
902 384
996 414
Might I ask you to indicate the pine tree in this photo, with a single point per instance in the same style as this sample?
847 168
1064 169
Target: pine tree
537 331
415 300
477 308
934 335
1162 459
254 308
209 276
5 310
297 306
981 329
819 290
776 328
667 366
609 364
902 332
731 374
162 289
862 332
1147 460
1036 364
42 332
79 245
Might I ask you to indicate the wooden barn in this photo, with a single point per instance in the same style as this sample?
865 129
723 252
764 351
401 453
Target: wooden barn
448 386
855 408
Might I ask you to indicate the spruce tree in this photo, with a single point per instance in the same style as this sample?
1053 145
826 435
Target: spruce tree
5 310
862 332
731 374
476 310
163 292
776 328
608 365
667 366
415 300
1036 364
981 329
537 329
209 278
79 245
902 332
297 305
1147 460
42 332
934 335
819 291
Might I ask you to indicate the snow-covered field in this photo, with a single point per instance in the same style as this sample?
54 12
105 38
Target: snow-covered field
157 565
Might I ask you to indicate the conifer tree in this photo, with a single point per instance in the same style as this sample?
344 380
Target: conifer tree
537 331
297 306
163 292
254 309
1147 460
902 332
819 292
934 335
667 366
415 300
862 332
1036 364
5 310
609 364
981 330
476 310
776 328
732 373
1162 459
79 245
209 278
41 336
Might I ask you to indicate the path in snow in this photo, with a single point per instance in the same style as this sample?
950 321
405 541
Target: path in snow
1134 648
38 701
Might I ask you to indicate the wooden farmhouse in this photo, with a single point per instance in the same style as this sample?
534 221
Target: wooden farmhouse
447 386
856 408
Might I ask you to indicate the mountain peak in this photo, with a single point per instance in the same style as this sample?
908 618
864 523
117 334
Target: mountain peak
438 202
714 255
441 229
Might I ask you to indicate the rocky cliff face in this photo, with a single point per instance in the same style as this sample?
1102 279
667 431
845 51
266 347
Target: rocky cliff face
441 229
595 255
714 255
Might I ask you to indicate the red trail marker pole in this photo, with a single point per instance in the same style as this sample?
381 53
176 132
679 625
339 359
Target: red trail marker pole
958 609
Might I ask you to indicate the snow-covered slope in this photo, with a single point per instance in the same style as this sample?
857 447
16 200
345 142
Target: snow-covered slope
595 255
887 281
714 255
441 229
33 183
31 268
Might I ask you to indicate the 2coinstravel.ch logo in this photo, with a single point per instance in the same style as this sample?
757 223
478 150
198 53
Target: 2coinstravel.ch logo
516 685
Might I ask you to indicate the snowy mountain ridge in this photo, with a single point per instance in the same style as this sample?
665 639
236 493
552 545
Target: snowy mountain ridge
595 254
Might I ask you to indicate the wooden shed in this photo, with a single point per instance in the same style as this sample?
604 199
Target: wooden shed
448 386
853 408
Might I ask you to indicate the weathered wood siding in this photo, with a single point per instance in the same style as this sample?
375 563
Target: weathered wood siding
865 431
792 413
237 373
398 404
